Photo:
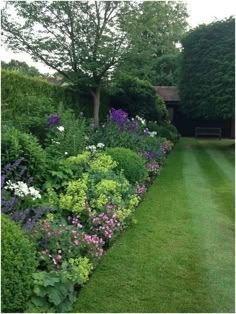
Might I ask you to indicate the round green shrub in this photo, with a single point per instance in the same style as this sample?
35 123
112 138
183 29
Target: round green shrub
132 164
18 264
167 130
17 144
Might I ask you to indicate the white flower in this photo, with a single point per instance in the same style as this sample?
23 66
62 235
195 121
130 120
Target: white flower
34 193
66 153
86 137
100 145
91 147
55 142
152 134
61 128
21 189
143 121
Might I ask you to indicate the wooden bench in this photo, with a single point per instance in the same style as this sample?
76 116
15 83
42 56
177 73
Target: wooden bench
200 131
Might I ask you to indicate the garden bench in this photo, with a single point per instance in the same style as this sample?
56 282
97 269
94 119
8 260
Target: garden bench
208 131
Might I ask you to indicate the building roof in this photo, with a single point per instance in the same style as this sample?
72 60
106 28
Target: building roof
168 93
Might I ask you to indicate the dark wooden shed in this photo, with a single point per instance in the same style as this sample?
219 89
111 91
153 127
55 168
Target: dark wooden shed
185 124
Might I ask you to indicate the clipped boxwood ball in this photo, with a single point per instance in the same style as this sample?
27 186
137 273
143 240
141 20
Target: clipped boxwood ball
18 264
132 164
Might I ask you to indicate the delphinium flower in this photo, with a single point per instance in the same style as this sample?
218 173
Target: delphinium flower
133 125
120 117
53 119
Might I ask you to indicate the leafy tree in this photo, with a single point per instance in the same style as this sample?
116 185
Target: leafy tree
138 97
165 70
207 71
81 40
20 66
154 28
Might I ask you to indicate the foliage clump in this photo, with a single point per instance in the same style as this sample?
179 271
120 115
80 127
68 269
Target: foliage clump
18 264
138 97
132 164
17 144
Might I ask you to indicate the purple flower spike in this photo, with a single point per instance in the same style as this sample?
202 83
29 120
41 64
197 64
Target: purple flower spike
119 116
133 126
53 119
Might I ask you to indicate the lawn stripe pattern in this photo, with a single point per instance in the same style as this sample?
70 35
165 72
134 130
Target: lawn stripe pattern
179 257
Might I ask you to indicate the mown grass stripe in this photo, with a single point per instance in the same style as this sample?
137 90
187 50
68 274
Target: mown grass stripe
223 163
215 245
163 263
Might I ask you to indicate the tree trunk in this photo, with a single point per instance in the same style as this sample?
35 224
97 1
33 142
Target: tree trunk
96 105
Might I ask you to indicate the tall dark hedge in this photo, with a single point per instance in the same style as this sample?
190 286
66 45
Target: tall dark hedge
26 101
207 74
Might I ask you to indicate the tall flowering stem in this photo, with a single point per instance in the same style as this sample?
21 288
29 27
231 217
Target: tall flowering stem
120 117
53 119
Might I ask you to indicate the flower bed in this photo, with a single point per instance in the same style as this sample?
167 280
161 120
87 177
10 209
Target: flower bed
86 199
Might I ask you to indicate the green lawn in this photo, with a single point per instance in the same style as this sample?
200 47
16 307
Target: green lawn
179 257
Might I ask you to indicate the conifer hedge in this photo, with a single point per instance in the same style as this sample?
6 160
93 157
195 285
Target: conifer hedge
207 75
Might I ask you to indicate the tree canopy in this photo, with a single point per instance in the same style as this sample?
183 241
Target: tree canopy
207 73
81 40
154 29
20 66
86 41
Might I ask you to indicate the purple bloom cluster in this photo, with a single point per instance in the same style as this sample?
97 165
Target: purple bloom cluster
166 147
149 155
133 126
53 119
38 213
95 241
75 220
119 116
105 224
